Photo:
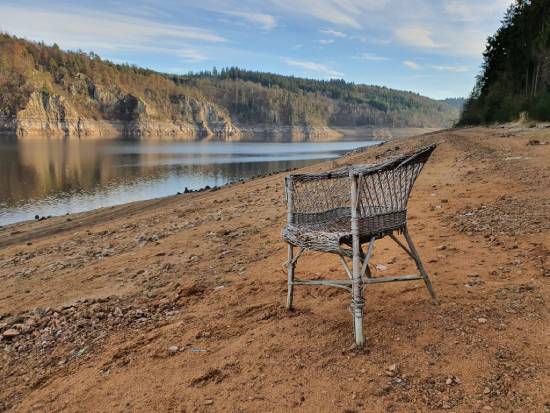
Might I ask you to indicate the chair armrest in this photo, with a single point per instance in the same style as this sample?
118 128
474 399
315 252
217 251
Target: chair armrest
314 176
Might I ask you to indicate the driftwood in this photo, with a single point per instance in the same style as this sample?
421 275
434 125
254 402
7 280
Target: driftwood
340 210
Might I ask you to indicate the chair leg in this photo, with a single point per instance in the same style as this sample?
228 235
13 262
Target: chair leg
419 264
364 257
290 269
358 301
357 304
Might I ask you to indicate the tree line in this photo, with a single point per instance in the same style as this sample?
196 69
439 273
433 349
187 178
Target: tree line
515 74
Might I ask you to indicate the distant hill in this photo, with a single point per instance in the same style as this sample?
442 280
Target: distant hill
457 103
45 89
515 75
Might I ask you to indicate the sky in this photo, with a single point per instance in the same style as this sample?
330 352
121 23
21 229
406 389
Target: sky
432 47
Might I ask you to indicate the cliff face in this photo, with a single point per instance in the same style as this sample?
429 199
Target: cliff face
119 115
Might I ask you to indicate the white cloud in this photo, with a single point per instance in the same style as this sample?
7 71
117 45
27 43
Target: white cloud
344 13
452 69
324 42
411 65
87 30
265 21
318 68
371 56
192 55
474 10
443 27
416 36
334 33
441 68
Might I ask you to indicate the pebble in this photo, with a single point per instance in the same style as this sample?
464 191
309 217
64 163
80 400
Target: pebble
10 333
441 248
486 390
208 402
481 320
449 381
173 349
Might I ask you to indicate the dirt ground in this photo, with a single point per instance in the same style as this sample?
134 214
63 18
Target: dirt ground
177 304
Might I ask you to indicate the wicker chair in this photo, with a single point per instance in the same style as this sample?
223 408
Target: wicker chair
339 210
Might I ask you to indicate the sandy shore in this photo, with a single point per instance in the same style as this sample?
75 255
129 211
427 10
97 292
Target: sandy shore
177 304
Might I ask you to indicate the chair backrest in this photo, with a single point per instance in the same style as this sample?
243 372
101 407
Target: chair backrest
386 187
318 197
383 188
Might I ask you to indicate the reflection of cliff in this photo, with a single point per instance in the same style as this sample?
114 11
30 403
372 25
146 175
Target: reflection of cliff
54 168
39 168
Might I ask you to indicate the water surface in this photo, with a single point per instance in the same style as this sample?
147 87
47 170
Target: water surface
55 177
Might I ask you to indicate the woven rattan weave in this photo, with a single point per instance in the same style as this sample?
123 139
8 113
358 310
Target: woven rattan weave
340 210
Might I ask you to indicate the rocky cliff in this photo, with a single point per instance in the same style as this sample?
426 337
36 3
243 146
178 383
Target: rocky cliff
123 115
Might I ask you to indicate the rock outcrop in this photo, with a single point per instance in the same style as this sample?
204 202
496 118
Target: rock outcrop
111 113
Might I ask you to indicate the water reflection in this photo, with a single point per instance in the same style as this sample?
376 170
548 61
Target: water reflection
53 177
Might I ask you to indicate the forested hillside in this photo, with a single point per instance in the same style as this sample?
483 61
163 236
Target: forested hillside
271 98
515 74
43 87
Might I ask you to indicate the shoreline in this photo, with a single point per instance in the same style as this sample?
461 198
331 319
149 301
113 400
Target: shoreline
246 133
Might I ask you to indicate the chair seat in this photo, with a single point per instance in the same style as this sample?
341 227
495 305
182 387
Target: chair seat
335 236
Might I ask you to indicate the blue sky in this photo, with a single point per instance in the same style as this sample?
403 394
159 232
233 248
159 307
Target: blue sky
428 46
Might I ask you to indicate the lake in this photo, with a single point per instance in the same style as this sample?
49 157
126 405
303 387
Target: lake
55 177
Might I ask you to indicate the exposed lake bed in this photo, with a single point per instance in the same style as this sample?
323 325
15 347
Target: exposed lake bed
105 296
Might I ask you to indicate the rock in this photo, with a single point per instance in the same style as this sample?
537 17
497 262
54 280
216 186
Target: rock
208 402
449 381
10 333
481 320
486 390
392 367
173 349
441 248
